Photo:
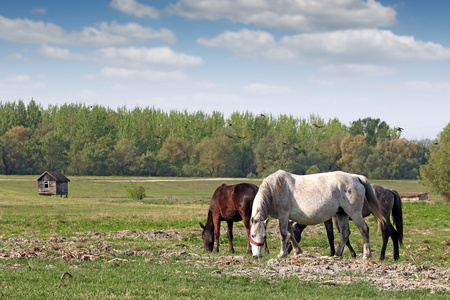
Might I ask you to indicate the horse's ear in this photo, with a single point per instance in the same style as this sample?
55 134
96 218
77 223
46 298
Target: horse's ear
201 225
266 221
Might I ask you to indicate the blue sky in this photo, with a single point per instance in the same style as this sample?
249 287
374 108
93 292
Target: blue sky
345 59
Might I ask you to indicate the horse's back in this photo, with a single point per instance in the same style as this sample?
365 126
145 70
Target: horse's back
319 196
231 202
385 197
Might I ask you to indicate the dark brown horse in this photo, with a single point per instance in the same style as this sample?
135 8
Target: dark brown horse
390 202
230 203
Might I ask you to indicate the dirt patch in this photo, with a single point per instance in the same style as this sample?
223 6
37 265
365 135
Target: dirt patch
92 246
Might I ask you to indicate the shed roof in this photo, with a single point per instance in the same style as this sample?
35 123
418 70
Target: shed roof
56 175
412 194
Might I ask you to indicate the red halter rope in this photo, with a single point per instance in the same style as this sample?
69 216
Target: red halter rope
251 241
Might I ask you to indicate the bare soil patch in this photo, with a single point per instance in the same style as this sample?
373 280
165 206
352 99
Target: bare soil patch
92 246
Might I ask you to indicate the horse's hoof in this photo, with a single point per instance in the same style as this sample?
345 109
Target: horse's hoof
281 255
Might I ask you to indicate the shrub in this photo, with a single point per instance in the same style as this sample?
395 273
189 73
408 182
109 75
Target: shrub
136 192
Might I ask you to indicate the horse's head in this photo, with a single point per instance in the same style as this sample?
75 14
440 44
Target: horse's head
257 235
208 238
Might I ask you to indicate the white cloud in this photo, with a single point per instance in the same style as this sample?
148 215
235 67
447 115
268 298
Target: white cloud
138 32
27 31
365 46
242 43
22 82
129 57
357 70
60 53
134 8
17 56
303 15
144 57
137 75
263 89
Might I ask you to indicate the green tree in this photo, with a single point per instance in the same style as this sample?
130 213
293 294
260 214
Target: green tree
124 159
153 165
436 173
54 152
372 129
92 159
214 155
175 151
274 152
330 151
11 152
354 154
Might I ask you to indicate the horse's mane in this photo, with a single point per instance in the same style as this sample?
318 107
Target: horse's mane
271 189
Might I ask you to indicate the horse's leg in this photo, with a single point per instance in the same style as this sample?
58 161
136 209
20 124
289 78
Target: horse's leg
216 222
283 223
266 249
230 235
329 227
394 236
297 230
364 229
296 248
389 231
246 221
349 246
344 230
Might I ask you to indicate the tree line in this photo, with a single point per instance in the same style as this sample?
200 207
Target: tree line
78 139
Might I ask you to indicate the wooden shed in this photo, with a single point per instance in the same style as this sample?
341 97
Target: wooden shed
53 183
414 196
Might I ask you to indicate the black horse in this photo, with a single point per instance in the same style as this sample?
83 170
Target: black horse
230 203
390 202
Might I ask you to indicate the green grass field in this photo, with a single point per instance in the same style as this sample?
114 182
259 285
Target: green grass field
111 248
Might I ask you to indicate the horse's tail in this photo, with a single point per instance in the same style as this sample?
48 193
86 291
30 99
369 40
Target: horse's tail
397 215
372 201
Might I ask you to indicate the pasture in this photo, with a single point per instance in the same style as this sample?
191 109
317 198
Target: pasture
97 244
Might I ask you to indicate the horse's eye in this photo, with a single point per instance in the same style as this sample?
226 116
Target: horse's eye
253 236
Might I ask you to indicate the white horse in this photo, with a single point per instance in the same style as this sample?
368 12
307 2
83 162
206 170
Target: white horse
309 200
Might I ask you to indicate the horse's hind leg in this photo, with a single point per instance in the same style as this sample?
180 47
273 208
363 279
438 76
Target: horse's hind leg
297 230
389 231
394 237
344 230
230 235
283 223
329 227
364 229
296 248
349 246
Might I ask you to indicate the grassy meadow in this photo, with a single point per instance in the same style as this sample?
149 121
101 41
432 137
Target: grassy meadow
108 244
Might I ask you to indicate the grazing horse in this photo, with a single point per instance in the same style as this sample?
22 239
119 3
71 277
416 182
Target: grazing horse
389 201
230 203
309 200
